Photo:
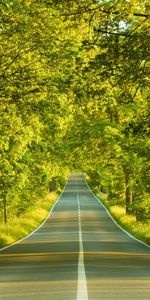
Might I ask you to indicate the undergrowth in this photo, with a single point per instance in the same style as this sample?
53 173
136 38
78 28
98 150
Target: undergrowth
19 227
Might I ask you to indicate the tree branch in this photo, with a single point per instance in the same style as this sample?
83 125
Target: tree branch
117 13
77 12
112 33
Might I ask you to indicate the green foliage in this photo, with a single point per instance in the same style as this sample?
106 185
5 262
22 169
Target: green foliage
33 99
74 95
110 128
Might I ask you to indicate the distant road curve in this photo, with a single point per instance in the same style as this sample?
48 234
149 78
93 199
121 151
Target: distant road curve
79 253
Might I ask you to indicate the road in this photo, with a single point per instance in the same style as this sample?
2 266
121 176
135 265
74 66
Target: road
79 253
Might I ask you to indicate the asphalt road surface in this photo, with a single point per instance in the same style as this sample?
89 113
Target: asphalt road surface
79 253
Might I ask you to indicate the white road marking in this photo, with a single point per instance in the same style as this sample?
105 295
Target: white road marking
82 293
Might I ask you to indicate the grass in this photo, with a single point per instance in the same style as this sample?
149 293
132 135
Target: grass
17 228
140 230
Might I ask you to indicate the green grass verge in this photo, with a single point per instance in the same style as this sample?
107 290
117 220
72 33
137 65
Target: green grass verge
140 230
17 228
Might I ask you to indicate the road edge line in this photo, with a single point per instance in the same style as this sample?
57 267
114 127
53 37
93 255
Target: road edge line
118 225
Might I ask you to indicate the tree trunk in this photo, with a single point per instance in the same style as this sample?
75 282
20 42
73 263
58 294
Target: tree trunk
137 210
132 201
128 200
5 209
53 184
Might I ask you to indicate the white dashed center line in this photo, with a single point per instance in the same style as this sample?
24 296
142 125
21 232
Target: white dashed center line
82 293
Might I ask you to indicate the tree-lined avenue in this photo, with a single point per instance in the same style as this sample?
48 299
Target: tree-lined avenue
46 264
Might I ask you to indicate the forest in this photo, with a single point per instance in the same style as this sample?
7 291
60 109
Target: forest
74 96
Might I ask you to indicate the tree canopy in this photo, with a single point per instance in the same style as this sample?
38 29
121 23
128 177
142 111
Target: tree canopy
74 95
